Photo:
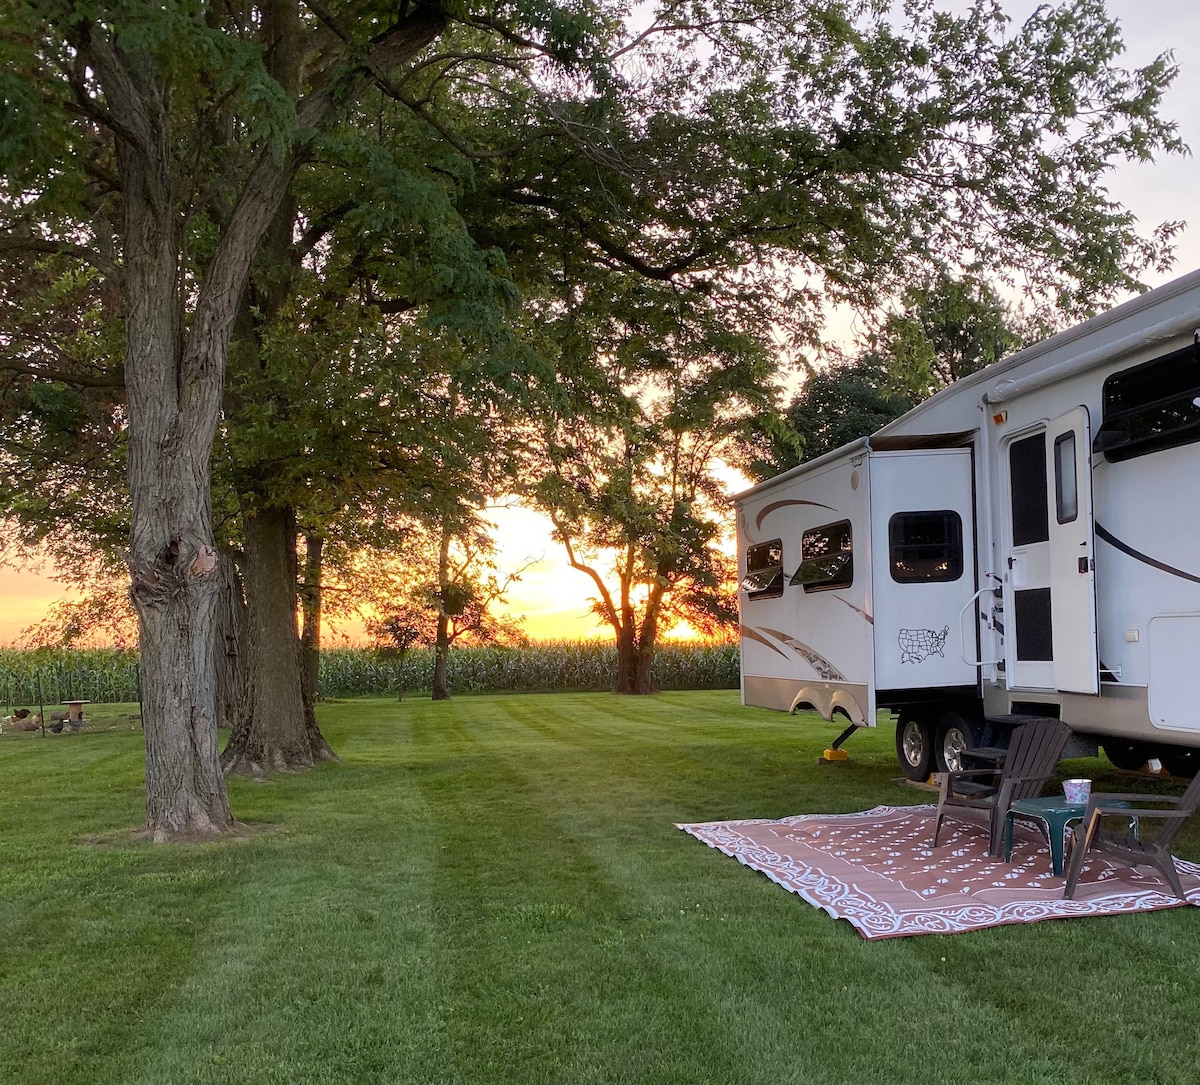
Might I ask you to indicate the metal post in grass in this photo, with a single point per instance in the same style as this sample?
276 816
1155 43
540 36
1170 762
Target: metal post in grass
141 720
37 678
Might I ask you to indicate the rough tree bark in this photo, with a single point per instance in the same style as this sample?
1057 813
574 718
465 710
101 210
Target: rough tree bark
276 731
228 642
310 610
172 419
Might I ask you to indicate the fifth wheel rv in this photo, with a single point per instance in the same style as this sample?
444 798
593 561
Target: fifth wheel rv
1024 543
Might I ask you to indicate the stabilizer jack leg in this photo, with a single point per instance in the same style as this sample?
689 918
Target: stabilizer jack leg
835 752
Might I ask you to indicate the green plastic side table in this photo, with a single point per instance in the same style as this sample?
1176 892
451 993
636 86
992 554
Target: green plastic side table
1054 813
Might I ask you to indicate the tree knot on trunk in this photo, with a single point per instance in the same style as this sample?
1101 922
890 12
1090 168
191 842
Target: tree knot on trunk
169 575
204 561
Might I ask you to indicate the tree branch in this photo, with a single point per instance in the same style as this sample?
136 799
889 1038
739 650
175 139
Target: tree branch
606 600
115 379
10 242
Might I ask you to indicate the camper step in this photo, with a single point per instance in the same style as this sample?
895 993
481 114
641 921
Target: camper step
996 754
1014 720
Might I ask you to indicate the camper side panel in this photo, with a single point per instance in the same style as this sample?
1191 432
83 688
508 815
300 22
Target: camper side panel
1146 509
923 517
805 568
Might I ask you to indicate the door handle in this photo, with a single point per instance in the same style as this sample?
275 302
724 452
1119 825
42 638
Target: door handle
1086 565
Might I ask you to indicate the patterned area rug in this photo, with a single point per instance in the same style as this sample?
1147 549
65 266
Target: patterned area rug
879 871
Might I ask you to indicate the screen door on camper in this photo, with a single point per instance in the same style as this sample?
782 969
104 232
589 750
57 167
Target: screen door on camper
1050 582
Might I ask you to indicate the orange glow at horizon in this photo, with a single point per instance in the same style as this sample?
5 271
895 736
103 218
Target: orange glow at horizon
552 598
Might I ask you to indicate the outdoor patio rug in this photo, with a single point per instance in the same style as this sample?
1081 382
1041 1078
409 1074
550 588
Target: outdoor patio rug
879 871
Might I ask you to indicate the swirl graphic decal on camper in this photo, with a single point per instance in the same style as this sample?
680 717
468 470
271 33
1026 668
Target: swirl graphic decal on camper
917 645
766 511
825 670
755 635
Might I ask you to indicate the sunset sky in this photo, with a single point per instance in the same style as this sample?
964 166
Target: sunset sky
553 597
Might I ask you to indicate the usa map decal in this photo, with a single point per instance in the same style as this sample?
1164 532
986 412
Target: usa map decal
917 645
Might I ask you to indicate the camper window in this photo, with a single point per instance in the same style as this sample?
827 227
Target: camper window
1027 476
826 558
764 570
1066 488
1150 407
925 547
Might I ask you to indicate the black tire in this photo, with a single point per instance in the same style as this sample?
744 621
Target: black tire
956 733
914 748
1180 760
1127 755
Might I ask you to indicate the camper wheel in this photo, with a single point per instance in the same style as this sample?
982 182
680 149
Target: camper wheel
1130 756
1181 760
955 734
914 748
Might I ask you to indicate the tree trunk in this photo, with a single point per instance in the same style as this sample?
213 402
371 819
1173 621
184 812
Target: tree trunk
173 385
441 654
627 657
647 639
310 609
643 679
277 730
172 559
441 644
229 642
635 663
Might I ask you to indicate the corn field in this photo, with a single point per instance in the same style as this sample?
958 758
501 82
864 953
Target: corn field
559 667
50 676
107 675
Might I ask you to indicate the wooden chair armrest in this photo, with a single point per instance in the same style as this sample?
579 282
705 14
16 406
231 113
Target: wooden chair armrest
1140 812
1100 798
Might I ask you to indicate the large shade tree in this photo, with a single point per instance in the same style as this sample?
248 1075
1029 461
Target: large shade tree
164 119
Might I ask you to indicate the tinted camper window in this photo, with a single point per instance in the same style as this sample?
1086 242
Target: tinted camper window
764 570
1151 407
1066 488
1027 475
925 547
826 558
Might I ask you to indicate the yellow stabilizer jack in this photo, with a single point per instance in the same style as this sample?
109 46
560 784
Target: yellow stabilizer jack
834 754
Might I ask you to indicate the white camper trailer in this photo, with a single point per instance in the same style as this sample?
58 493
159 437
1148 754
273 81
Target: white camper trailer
1025 542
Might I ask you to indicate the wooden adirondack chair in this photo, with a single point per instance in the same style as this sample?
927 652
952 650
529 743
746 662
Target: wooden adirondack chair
1131 847
1032 754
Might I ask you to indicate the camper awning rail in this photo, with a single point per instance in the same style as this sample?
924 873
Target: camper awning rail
1165 330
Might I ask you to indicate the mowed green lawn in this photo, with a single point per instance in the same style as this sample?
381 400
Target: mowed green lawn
493 890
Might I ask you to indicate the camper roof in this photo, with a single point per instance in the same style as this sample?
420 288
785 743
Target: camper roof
1155 317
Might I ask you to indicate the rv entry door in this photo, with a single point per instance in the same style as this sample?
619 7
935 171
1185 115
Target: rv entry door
1050 583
